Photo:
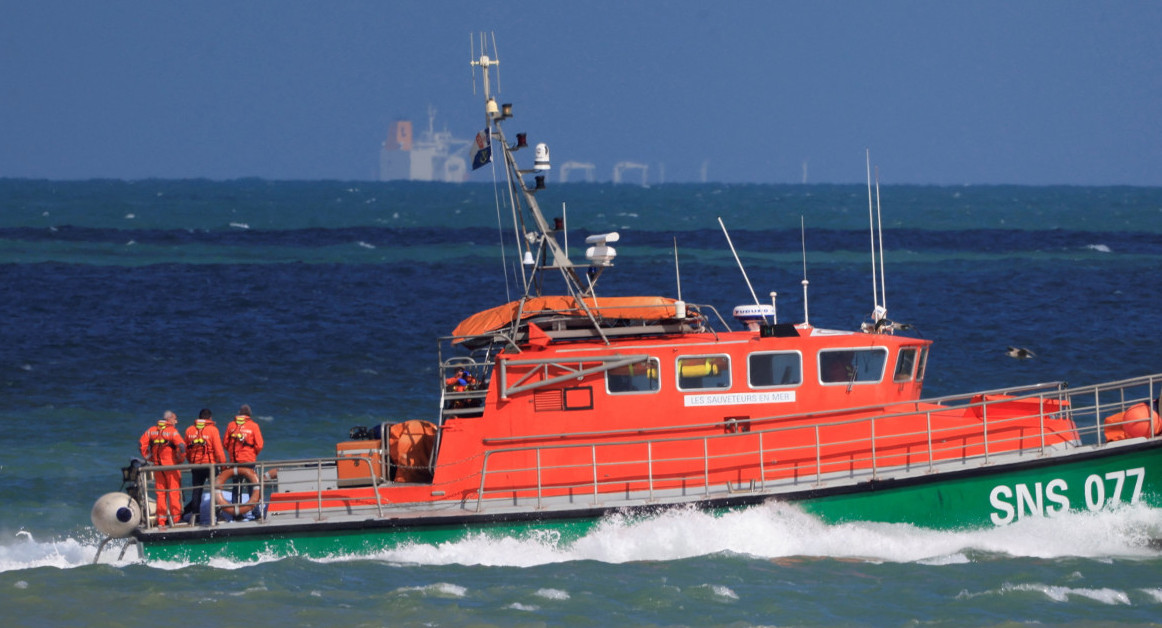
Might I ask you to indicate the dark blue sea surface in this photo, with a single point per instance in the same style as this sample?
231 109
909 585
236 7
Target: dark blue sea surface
319 304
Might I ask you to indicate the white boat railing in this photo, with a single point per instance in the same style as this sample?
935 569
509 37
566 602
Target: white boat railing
713 460
941 448
272 476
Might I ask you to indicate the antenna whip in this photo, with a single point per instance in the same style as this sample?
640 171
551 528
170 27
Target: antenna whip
745 278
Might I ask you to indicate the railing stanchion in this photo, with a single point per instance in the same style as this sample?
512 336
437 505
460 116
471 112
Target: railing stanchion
818 458
319 488
762 466
931 453
650 466
593 458
539 480
706 464
1041 422
483 475
984 413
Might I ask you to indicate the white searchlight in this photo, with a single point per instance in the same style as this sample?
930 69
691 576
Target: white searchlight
601 254
541 157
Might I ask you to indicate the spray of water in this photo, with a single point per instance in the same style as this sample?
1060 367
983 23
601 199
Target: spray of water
769 531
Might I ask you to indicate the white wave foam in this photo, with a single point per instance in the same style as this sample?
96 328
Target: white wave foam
1100 248
25 552
779 531
1155 594
722 591
1055 593
1062 594
770 531
553 594
438 589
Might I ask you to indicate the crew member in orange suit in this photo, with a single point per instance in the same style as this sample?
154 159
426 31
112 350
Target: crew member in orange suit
243 438
162 444
203 446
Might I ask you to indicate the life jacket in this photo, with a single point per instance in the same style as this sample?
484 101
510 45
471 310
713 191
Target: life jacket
204 444
243 441
163 445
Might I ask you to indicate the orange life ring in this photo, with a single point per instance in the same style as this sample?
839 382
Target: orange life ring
237 510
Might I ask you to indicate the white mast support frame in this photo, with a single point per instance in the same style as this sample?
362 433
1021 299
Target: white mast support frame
560 259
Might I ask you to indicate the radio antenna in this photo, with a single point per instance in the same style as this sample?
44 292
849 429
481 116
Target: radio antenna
496 55
484 61
803 243
472 57
871 223
736 259
880 228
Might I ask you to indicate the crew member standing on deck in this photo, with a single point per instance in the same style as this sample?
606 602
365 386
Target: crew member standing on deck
162 445
243 439
203 446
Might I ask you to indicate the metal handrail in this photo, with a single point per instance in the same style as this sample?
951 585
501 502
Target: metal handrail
994 438
952 401
689 456
261 469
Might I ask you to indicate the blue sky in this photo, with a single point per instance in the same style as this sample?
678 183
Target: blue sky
944 93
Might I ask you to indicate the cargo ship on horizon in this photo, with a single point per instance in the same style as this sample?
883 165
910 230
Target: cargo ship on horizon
434 156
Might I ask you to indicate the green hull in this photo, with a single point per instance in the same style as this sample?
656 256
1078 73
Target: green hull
990 496
982 497
365 542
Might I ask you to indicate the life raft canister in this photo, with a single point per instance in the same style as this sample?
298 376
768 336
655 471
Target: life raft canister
237 510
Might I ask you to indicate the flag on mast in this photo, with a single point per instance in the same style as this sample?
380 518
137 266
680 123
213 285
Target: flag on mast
483 152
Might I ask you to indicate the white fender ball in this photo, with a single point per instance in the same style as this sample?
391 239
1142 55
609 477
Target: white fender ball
116 514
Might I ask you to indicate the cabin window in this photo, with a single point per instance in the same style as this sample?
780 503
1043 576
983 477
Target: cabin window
923 364
704 371
905 364
641 377
845 366
784 368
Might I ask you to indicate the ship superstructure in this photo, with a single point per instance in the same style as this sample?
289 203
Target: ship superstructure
434 156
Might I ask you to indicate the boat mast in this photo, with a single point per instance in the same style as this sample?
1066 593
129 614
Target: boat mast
540 237
879 297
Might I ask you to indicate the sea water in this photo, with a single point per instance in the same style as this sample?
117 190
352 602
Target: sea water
319 304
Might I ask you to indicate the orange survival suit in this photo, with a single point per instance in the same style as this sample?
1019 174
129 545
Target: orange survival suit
162 444
204 443
243 439
203 446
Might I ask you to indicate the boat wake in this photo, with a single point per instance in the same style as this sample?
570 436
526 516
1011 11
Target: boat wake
771 531
774 531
